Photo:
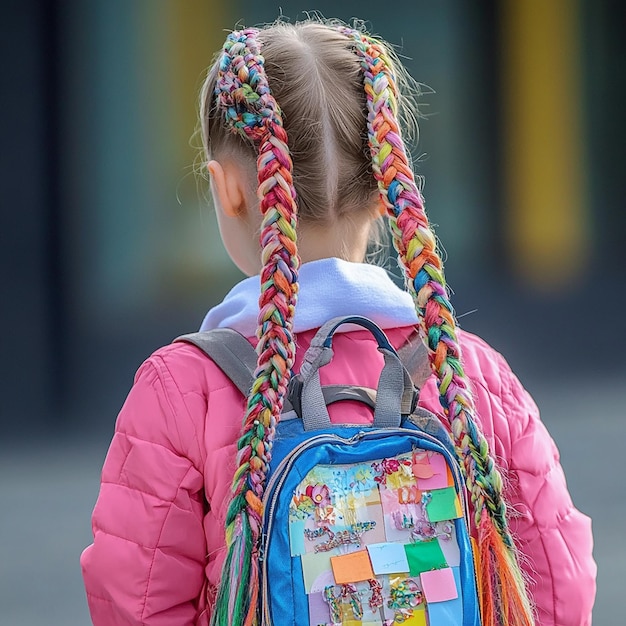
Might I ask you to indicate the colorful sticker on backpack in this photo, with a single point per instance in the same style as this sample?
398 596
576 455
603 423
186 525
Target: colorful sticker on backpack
377 542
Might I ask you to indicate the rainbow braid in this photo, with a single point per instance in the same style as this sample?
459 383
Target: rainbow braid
503 598
244 96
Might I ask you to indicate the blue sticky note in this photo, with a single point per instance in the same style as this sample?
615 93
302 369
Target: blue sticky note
450 611
296 537
388 558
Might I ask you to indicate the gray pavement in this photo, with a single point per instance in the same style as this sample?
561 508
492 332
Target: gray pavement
47 492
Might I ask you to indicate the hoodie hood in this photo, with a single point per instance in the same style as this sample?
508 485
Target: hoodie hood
327 288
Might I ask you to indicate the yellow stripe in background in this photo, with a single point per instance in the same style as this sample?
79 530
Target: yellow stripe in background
192 254
197 32
546 213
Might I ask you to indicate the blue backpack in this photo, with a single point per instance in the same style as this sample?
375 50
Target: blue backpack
364 525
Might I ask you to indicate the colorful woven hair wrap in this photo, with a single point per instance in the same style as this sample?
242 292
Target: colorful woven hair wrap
503 597
243 94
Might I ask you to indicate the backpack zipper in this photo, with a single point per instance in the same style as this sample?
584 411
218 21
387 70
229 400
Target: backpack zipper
280 474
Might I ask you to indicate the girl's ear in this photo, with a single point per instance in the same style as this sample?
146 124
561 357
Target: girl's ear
227 188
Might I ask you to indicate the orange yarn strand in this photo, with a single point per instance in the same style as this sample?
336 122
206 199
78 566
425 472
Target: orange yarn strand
499 595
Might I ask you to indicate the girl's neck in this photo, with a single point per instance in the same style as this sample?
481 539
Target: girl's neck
344 240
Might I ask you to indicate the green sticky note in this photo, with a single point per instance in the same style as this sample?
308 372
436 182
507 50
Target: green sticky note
443 505
424 556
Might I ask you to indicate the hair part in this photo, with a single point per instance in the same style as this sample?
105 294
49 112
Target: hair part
317 79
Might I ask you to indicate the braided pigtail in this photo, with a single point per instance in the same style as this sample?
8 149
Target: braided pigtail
243 93
503 597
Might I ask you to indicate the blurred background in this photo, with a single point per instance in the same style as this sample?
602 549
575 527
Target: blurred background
109 247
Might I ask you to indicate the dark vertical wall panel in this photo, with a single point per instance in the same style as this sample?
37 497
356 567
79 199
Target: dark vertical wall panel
29 237
604 57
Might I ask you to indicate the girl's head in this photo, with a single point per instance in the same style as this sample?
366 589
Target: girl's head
317 80
316 107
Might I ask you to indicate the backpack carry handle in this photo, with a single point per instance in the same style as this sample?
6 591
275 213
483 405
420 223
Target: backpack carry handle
327 331
395 394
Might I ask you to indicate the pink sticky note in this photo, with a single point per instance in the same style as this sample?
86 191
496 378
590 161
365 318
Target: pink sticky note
421 465
439 479
439 585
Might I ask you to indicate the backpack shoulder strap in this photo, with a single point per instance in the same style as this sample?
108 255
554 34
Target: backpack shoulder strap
230 351
236 357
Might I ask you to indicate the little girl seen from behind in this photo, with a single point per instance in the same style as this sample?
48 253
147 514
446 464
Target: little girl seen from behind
302 127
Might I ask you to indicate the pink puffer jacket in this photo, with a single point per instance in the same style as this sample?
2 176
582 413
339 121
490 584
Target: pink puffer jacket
158 522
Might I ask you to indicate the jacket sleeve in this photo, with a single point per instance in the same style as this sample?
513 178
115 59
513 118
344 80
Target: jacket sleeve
553 536
146 563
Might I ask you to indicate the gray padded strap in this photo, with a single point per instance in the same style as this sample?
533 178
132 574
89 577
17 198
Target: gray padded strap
314 412
390 392
230 351
236 357
337 393
332 394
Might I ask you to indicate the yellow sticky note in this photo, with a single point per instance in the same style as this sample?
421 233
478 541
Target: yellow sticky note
347 616
393 480
399 479
417 619
352 568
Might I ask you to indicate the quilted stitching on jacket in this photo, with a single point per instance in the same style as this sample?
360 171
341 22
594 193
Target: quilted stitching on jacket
158 523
